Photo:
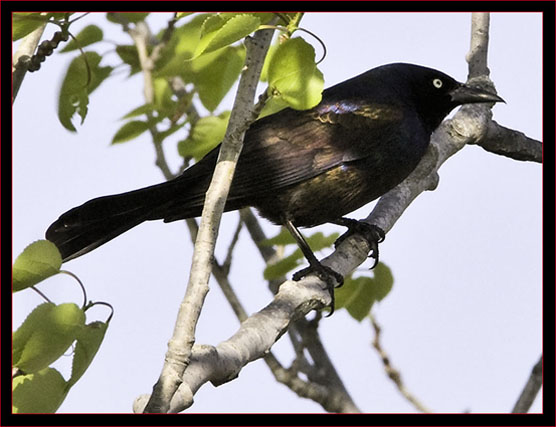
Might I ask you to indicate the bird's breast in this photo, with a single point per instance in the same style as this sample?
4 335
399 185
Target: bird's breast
321 199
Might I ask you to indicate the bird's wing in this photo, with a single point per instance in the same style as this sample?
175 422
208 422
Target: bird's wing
303 144
287 148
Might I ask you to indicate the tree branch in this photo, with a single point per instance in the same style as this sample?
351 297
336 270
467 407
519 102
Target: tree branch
181 343
478 52
327 390
254 339
511 143
498 139
322 371
25 51
141 35
228 260
530 390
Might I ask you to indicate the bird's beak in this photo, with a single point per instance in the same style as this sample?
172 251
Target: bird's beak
469 95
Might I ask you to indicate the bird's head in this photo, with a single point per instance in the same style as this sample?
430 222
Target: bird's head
433 93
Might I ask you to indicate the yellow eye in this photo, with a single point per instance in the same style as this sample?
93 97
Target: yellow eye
437 83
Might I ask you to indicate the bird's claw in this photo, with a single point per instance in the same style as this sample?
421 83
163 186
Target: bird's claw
372 233
327 275
373 253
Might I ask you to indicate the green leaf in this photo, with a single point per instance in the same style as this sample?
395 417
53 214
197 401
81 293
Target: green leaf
38 261
139 111
87 36
128 54
162 135
60 15
181 15
89 340
45 335
271 51
188 35
222 30
319 241
206 134
293 74
24 23
265 17
163 102
129 131
174 58
283 266
215 73
76 88
358 295
41 392
282 239
384 281
316 242
136 17
132 17
273 105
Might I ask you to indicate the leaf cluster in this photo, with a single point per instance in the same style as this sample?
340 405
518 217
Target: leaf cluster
194 63
45 336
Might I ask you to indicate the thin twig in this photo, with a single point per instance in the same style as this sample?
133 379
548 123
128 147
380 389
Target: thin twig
393 373
228 260
83 289
141 35
530 391
166 36
42 294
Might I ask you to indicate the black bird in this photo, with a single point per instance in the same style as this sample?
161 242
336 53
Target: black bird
298 168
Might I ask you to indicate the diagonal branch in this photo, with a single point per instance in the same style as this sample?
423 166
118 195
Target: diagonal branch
530 390
243 113
255 337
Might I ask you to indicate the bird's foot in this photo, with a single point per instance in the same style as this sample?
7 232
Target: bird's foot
327 275
372 233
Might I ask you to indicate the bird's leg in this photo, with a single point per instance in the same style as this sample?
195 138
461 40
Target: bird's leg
329 276
372 233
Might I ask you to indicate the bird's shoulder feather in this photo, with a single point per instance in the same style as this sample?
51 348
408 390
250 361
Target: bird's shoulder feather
297 145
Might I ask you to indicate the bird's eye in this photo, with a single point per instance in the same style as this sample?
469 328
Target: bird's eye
437 83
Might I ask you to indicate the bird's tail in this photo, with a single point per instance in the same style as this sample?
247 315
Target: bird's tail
86 227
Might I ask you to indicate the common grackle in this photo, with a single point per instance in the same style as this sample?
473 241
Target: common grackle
297 168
